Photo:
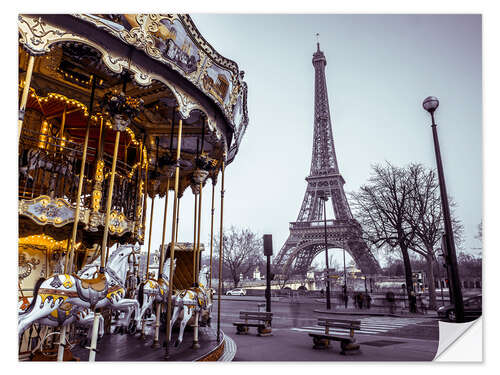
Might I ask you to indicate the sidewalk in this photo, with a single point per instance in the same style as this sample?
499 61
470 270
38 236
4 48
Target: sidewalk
288 345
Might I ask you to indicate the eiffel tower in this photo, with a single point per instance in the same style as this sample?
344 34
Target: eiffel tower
307 234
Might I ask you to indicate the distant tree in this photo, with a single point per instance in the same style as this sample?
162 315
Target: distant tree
479 236
381 206
242 252
469 266
394 268
425 219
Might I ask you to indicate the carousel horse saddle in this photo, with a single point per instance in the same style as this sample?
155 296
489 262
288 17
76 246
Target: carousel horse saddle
98 283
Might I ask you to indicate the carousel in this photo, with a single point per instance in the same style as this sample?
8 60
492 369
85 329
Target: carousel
115 111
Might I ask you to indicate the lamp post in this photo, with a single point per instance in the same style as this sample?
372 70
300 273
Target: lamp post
430 104
268 252
345 284
328 303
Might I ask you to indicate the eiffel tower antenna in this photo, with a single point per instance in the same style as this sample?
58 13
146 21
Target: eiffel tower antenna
306 238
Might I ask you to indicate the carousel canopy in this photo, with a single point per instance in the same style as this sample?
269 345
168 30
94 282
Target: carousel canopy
161 60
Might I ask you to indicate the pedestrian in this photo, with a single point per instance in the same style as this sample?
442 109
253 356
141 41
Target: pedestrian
389 296
368 301
413 302
322 292
360 301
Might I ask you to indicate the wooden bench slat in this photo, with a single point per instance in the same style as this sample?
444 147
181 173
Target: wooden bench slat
249 324
341 326
323 324
256 313
339 320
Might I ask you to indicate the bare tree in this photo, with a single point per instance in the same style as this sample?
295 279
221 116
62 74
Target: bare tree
381 207
479 236
242 252
426 220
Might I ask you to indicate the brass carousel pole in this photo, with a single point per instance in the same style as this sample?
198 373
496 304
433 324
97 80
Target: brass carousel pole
177 219
194 238
211 234
24 97
221 246
145 202
107 253
174 239
93 343
143 334
196 345
109 201
156 343
69 258
63 123
198 259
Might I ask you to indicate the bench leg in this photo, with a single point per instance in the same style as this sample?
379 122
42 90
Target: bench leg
265 331
349 347
241 330
319 343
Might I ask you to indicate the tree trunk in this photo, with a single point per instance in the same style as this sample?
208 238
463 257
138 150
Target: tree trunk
408 277
431 283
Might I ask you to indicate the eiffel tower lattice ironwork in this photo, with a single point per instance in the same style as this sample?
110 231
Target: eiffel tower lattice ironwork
307 235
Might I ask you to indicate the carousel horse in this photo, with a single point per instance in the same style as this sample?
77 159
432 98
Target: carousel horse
190 301
151 291
66 315
36 158
85 291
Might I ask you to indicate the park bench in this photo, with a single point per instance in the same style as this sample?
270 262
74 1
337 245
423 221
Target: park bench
262 322
347 343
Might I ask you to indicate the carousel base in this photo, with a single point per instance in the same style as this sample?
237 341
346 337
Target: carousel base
125 347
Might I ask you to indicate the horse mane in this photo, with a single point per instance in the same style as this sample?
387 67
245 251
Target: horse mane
35 294
165 268
140 294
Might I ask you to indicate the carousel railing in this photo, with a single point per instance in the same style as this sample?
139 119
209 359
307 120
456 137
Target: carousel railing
49 165
125 188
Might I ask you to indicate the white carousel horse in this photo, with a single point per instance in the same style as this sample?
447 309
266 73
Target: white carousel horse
105 290
192 300
154 291
65 315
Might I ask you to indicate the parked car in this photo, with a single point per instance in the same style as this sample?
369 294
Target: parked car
236 292
472 309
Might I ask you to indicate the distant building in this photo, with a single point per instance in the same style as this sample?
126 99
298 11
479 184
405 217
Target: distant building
256 274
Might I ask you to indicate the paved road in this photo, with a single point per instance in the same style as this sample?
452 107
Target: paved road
381 338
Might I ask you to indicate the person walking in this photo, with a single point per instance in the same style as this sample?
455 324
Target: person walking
368 301
389 296
413 302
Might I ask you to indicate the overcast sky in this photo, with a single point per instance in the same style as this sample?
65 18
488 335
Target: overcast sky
379 70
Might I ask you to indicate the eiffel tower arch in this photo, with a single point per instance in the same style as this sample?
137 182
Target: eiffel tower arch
307 233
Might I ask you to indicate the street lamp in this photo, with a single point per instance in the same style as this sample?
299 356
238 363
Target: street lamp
430 104
345 284
328 303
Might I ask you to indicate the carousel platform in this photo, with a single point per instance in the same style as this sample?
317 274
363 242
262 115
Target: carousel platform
125 347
